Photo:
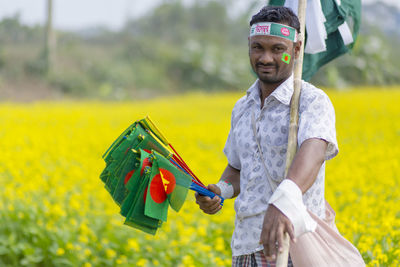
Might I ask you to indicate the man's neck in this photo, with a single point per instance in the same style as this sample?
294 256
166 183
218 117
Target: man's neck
266 89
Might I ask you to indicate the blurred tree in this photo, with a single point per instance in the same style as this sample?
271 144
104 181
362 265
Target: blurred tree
372 62
50 40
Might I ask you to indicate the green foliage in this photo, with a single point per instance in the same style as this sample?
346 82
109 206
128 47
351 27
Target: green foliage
12 31
371 62
175 47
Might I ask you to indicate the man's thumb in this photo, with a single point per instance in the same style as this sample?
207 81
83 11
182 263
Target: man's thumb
214 188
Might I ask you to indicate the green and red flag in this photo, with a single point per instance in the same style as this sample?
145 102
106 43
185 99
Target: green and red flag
332 28
133 179
156 200
136 216
107 155
117 153
176 182
286 58
129 164
168 185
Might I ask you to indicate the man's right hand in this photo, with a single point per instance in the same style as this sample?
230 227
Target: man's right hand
210 205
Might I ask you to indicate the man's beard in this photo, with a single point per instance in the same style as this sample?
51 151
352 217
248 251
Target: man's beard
268 80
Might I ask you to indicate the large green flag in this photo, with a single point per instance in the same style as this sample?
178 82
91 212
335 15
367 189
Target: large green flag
117 142
117 152
136 137
156 202
129 165
176 182
133 179
331 29
136 216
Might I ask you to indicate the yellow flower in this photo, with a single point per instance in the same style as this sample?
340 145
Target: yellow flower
87 252
219 261
69 246
133 244
188 260
141 262
83 239
73 221
202 231
121 260
220 244
60 251
110 253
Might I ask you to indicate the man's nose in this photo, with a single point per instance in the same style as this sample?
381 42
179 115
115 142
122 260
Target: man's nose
266 57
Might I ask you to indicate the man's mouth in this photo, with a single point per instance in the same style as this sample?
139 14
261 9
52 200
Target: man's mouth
265 68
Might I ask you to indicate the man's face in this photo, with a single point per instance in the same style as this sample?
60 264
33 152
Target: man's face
266 57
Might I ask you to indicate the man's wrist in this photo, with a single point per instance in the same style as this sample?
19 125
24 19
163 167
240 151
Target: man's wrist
226 188
288 199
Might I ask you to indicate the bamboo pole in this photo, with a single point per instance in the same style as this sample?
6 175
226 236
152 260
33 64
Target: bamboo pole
282 257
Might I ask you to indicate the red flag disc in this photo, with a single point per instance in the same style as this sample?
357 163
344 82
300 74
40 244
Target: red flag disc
161 185
128 176
168 181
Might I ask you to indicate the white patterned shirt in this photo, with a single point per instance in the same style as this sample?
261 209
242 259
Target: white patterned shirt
317 120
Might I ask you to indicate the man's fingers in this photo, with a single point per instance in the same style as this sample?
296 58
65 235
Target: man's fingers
272 244
207 201
201 197
211 206
212 210
290 231
208 205
263 240
279 237
204 199
216 202
215 210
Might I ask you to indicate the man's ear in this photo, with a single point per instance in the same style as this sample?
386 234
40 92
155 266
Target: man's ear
297 46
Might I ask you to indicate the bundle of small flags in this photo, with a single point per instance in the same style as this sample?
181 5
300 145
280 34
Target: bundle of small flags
145 175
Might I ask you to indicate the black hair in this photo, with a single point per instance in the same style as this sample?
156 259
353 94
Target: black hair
277 14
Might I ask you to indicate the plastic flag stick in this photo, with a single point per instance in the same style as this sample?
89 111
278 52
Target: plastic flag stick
205 192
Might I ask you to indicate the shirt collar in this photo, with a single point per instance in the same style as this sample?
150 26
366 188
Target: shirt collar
283 93
253 93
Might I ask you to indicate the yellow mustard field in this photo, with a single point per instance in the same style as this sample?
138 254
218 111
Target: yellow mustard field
54 210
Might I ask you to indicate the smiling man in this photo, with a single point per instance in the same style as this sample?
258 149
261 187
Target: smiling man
267 203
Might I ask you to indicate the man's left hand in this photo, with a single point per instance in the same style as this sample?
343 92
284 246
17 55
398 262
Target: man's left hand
274 226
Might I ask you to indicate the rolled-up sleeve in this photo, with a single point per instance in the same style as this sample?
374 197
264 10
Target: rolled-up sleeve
317 120
231 146
230 151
